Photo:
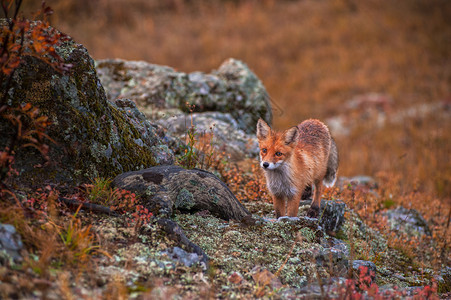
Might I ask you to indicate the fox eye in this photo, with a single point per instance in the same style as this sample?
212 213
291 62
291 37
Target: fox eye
264 150
278 153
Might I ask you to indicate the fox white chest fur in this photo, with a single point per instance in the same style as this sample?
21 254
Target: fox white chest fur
280 182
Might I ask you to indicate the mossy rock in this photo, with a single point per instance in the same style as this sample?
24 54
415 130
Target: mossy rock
93 137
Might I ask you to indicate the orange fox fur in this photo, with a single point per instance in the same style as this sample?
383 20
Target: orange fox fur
300 157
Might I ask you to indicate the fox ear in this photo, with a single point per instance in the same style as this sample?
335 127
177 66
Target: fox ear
291 135
263 129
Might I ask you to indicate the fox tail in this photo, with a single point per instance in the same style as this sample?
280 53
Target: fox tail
332 166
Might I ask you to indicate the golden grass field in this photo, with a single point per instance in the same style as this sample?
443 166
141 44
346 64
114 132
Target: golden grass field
313 57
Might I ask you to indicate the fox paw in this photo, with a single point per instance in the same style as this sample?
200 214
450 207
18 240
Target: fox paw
313 212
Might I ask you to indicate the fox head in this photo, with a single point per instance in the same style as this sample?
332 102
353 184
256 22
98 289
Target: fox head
275 147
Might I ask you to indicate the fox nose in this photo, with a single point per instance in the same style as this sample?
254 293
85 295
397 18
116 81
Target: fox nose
265 165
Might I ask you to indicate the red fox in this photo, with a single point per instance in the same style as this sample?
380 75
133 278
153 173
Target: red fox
295 160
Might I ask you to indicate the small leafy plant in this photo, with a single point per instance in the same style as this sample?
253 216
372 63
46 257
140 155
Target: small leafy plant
119 200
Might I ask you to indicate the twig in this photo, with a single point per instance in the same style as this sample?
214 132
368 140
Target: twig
298 238
88 206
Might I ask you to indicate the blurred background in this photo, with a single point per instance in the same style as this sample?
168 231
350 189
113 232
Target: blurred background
379 72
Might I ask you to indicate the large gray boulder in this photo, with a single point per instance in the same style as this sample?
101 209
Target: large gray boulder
93 136
233 89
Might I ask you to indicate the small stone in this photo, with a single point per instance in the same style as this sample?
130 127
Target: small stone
264 277
179 255
10 245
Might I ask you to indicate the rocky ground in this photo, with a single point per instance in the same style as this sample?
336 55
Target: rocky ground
279 259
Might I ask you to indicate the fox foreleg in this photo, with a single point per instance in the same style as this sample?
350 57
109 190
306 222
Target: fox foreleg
293 205
279 206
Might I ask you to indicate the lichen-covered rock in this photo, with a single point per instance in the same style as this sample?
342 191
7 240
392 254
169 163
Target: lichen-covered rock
331 286
332 215
376 111
233 88
10 245
409 221
165 188
93 136
357 181
220 129
334 256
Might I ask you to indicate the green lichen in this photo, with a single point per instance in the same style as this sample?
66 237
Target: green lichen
308 234
184 200
213 196
242 248
151 190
